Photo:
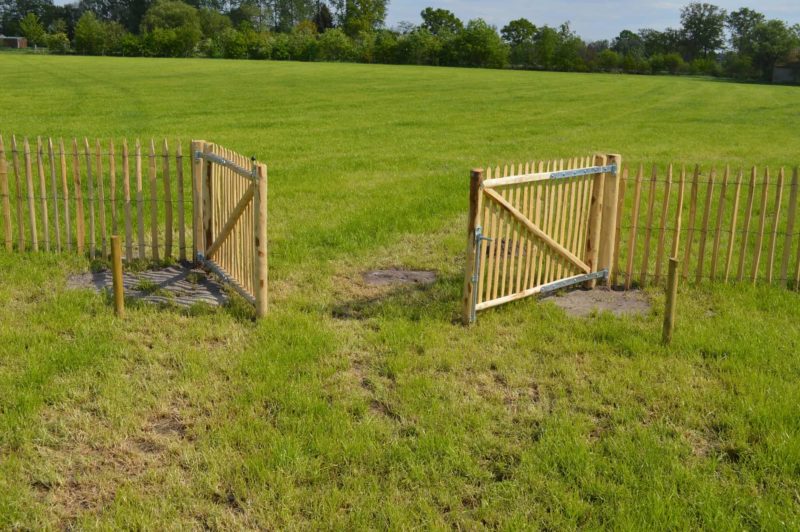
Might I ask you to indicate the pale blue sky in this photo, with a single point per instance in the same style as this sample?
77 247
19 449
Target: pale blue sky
592 19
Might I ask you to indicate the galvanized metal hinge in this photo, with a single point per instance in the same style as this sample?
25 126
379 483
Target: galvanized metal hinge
479 239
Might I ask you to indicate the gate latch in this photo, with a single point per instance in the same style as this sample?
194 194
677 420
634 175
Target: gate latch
479 238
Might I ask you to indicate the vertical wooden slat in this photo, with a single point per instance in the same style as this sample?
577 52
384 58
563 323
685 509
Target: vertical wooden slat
139 199
101 190
676 237
663 224
31 196
776 220
761 225
484 260
734 215
704 234
637 195
80 221
747 218
207 191
167 204
787 243
687 255
618 237
718 230
54 187
648 227
65 194
112 175
43 192
90 186
18 192
6 200
126 191
181 213
153 201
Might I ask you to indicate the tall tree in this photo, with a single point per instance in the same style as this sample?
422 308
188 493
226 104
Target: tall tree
440 21
356 16
33 29
628 43
741 25
703 26
518 32
773 40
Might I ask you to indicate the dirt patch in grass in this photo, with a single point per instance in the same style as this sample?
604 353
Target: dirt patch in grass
399 276
175 285
583 303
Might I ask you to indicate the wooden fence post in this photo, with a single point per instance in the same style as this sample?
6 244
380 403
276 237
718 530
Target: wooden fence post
609 218
261 249
476 179
116 266
197 164
595 221
6 200
672 296
207 190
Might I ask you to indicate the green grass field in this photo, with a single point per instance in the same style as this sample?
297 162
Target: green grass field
351 407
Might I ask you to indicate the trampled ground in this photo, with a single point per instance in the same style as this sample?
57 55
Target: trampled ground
354 405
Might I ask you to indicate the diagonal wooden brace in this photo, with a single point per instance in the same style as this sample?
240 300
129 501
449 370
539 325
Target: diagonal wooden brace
533 228
231 222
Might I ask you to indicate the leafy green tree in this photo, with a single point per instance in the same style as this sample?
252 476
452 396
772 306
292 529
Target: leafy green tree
772 41
703 27
628 43
608 60
386 46
89 35
519 31
58 43
171 29
361 15
519 34
479 45
419 47
212 22
741 26
335 45
545 46
33 29
440 21
323 18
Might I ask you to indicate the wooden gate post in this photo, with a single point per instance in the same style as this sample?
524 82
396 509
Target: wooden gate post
261 256
595 221
609 217
476 179
197 198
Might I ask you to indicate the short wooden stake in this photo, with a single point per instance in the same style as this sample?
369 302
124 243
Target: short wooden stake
672 296
116 269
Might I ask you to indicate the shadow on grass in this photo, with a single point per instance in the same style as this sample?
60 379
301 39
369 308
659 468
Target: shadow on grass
439 301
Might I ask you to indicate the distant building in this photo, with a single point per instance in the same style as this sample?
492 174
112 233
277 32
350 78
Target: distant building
13 42
788 71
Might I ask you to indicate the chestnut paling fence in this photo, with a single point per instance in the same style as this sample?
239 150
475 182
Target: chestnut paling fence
72 195
723 224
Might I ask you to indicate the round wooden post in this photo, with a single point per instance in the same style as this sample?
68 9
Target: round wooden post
261 257
672 296
476 179
116 269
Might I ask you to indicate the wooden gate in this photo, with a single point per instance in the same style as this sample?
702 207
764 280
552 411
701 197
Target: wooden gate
538 228
230 219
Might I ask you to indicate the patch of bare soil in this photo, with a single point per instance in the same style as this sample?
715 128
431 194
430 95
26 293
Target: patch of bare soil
582 303
398 276
178 285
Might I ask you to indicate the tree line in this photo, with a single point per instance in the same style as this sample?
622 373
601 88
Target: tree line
741 44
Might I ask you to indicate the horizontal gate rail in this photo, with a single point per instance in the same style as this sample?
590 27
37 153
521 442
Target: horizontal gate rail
541 176
222 161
